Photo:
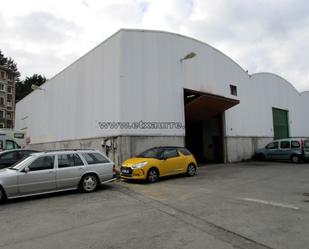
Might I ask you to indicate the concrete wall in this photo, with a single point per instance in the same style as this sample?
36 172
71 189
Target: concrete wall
243 148
122 147
133 145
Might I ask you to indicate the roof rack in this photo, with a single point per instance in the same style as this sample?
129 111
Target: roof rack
65 150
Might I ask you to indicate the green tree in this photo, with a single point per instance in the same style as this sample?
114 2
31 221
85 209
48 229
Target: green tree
3 59
23 88
13 66
9 63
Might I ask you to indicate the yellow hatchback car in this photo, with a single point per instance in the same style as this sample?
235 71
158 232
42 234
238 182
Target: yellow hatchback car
158 162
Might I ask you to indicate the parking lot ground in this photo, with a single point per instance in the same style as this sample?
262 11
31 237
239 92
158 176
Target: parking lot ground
248 205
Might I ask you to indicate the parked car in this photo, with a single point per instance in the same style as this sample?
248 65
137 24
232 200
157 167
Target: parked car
158 162
54 171
291 149
10 157
306 149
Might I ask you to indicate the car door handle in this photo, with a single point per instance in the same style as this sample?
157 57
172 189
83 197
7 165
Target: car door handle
50 171
80 168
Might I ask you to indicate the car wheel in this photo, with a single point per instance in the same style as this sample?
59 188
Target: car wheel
2 195
295 159
153 175
191 170
261 157
89 183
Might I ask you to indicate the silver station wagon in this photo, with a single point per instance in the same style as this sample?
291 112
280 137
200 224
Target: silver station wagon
47 172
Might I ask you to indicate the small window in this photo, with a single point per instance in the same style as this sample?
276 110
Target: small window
69 160
1 125
272 146
169 153
1 101
285 144
9 88
2 75
185 152
2 87
19 135
306 144
94 158
10 145
16 145
2 113
42 163
233 89
295 144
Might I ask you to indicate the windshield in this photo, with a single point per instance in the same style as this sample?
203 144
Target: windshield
22 162
151 153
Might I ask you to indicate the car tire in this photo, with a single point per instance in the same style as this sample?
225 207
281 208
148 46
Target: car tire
261 157
153 175
2 195
89 183
191 170
295 159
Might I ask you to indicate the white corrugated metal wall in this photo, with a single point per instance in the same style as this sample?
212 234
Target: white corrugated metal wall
137 75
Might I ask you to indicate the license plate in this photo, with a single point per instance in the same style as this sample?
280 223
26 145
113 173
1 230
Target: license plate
125 171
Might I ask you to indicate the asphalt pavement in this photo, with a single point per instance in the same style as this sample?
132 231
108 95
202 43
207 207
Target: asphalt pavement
247 205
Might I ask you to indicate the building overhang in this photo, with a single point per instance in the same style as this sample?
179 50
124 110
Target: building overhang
204 105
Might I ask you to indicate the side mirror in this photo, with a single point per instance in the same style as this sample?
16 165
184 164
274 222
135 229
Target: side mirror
26 170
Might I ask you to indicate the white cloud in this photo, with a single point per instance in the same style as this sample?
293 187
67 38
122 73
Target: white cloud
45 36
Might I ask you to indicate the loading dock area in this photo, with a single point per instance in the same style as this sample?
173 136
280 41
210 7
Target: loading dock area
204 121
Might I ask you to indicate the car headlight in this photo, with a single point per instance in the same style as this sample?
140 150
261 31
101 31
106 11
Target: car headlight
139 165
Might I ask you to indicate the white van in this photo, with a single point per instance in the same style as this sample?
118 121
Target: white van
10 139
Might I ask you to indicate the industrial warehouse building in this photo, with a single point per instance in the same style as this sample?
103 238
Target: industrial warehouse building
193 94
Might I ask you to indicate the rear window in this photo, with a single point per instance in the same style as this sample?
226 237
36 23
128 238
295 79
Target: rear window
94 158
285 144
185 152
295 144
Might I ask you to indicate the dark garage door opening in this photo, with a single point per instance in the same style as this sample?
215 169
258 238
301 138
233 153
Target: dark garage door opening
204 125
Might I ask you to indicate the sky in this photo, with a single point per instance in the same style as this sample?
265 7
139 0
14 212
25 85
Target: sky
45 36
